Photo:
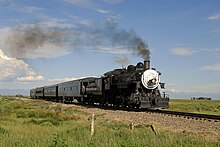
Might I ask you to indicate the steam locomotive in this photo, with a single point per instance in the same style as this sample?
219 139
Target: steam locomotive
135 86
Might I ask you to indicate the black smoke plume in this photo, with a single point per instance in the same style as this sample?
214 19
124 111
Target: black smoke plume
29 38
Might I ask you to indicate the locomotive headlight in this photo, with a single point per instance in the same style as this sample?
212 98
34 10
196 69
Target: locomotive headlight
150 79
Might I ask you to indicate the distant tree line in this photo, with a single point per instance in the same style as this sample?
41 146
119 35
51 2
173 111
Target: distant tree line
201 98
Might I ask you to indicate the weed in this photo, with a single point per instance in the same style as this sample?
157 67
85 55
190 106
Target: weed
114 125
35 114
47 124
59 140
44 122
3 131
58 108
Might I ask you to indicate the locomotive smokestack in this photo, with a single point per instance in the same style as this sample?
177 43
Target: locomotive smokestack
146 64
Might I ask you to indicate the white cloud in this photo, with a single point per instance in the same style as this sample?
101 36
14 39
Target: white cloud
182 51
113 50
14 69
112 1
28 9
200 88
187 51
60 80
90 2
78 2
214 68
113 19
18 7
214 17
31 78
102 11
207 90
85 22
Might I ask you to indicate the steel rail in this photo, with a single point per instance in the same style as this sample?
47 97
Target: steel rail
188 115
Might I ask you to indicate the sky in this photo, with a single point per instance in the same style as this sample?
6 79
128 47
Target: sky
46 42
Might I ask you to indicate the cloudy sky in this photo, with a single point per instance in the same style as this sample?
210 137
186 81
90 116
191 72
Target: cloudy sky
45 42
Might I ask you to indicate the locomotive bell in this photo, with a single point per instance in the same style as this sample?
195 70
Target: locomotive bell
150 79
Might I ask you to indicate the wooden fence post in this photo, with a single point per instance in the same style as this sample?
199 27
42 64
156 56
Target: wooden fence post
93 124
153 129
131 126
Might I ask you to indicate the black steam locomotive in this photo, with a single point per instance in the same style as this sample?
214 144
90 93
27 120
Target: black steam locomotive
136 86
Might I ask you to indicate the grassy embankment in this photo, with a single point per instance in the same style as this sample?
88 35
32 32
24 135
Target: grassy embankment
196 106
40 123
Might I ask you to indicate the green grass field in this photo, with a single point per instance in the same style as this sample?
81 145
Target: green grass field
38 123
196 106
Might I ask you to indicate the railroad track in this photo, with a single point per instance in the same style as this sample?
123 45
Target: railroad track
187 115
